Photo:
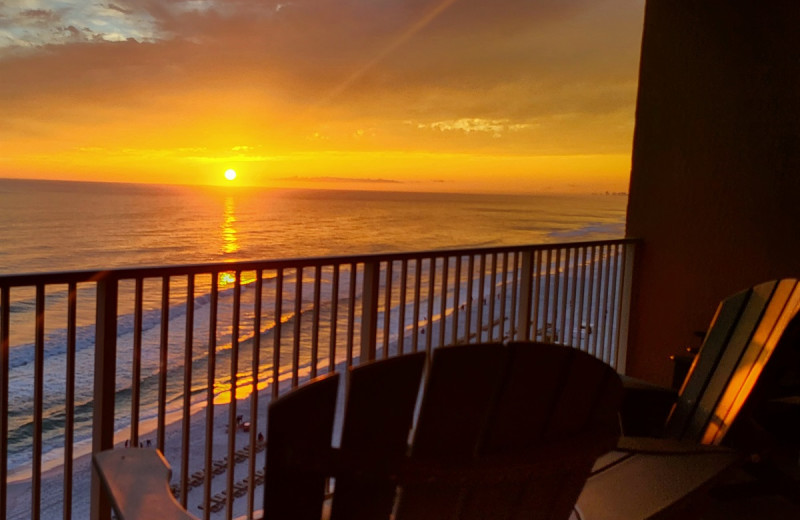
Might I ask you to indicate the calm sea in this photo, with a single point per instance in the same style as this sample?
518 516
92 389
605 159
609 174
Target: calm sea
59 226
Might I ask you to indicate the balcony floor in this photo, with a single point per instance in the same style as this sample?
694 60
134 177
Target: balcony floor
744 498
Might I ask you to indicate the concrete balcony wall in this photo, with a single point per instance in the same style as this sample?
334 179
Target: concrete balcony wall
715 183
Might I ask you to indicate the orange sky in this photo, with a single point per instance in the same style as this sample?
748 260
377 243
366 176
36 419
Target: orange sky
448 95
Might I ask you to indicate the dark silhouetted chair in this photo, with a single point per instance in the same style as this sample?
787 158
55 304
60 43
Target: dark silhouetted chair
733 373
502 431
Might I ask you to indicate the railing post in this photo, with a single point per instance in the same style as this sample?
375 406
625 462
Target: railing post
105 362
525 297
369 310
624 311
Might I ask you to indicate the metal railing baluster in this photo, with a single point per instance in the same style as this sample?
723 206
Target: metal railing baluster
401 310
162 364
574 298
481 296
233 422
492 297
210 378
187 389
512 314
387 309
503 296
69 408
564 296
256 363
470 297
417 301
316 321
351 315
580 296
596 286
537 282
548 273
456 299
38 397
431 295
276 334
136 369
605 305
298 314
443 301
612 305
334 318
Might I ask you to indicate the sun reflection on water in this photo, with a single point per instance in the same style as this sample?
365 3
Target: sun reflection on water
230 245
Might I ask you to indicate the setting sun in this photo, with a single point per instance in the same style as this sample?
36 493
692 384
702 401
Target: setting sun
230 174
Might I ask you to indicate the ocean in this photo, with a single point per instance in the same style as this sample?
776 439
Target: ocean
61 226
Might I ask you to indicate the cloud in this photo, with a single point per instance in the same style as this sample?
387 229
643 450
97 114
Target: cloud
495 127
41 23
338 180
120 9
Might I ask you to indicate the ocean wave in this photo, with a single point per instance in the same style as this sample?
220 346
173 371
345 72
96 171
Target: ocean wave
590 231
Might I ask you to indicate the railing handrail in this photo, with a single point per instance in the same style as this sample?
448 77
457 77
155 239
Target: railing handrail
122 273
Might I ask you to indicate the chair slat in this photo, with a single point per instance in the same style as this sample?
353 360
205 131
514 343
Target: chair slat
753 316
541 379
535 377
782 309
722 326
459 397
381 398
299 431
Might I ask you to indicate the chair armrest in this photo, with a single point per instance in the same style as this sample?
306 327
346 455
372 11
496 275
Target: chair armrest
137 483
653 478
645 407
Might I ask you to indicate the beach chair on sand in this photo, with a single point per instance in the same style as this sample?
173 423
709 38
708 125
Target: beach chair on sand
502 431
735 370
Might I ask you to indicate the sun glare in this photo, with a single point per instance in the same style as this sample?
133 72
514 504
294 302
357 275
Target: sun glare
230 175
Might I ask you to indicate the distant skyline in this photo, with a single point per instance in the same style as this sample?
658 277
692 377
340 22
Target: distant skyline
416 95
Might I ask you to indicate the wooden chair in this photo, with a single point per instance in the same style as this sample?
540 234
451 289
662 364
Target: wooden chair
732 373
501 432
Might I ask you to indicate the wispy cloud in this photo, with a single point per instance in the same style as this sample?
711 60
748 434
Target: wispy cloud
338 180
495 127
38 23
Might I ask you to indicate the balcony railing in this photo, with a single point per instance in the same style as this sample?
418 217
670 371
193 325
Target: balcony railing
186 358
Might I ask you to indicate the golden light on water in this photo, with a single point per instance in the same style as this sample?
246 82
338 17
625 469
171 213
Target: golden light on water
229 243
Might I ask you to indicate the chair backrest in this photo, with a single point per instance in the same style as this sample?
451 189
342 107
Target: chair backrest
512 432
299 429
744 334
502 431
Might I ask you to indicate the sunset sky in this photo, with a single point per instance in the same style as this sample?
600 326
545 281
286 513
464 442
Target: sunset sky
419 95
